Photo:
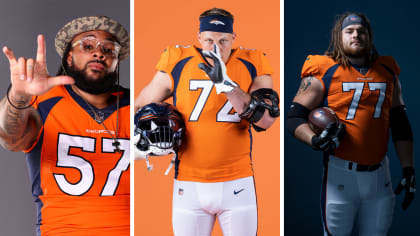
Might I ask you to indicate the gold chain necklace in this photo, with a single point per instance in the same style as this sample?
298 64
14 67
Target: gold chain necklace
101 121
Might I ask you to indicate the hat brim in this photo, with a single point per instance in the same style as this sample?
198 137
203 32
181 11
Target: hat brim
89 23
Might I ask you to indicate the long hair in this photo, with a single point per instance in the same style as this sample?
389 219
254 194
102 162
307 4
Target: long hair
62 70
335 49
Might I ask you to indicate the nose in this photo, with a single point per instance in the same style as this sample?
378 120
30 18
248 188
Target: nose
98 54
355 34
218 45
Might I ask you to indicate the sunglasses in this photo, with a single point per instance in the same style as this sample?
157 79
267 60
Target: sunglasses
90 44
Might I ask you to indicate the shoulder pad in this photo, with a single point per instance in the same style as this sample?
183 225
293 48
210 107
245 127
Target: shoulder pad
316 65
172 55
389 62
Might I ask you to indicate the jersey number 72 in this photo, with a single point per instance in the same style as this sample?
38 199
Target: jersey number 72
223 115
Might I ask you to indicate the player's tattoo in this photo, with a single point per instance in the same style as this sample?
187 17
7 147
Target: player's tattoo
19 141
12 121
305 84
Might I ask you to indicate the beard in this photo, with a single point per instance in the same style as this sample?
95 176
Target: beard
86 83
356 52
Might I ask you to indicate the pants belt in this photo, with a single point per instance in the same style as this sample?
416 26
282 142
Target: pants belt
364 167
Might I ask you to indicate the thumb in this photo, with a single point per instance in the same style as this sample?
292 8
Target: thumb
59 80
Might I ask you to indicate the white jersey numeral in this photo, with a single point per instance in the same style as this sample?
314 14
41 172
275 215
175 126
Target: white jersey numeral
223 115
381 99
205 86
87 176
114 175
358 90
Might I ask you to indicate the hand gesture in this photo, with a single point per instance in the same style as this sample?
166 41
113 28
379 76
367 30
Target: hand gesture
217 72
30 77
407 183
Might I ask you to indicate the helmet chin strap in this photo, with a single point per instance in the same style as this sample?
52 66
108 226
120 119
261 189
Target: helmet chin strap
150 166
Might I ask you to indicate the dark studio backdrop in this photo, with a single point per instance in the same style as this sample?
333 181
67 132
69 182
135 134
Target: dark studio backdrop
20 23
307 26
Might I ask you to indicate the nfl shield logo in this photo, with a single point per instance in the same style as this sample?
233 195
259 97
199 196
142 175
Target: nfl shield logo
180 191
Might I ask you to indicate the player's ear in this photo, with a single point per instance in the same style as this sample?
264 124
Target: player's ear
199 37
69 58
233 36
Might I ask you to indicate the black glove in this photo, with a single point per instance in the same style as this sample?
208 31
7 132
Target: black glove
217 73
214 72
408 182
330 138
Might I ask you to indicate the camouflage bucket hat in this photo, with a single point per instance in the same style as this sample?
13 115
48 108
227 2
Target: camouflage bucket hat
89 23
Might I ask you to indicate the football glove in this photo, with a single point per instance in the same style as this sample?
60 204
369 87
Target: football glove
407 183
329 139
217 72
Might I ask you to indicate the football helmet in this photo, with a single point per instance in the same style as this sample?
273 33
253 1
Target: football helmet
159 130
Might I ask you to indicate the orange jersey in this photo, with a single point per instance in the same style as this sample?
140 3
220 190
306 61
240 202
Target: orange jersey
361 102
80 185
218 143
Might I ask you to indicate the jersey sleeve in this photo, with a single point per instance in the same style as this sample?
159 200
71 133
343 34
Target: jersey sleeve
265 67
162 64
394 65
311 67
35 102
168 59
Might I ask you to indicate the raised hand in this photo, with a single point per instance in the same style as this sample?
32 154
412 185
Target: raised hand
217 72
30 77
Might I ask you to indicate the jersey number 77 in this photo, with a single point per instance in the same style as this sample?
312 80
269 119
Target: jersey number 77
358 90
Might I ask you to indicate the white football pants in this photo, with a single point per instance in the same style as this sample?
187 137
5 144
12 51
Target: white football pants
353 197
196 205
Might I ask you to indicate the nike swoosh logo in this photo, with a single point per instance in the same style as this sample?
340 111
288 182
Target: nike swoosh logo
236 192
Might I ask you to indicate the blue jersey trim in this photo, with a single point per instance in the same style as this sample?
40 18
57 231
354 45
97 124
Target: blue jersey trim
251 68
176 75
33 159
45 107
107 111
327 81
390 71
250 146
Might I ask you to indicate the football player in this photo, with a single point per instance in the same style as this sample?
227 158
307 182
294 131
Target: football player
364 90
221 92
74 129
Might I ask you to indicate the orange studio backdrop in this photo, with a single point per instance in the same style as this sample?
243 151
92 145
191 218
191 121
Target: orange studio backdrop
160 23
